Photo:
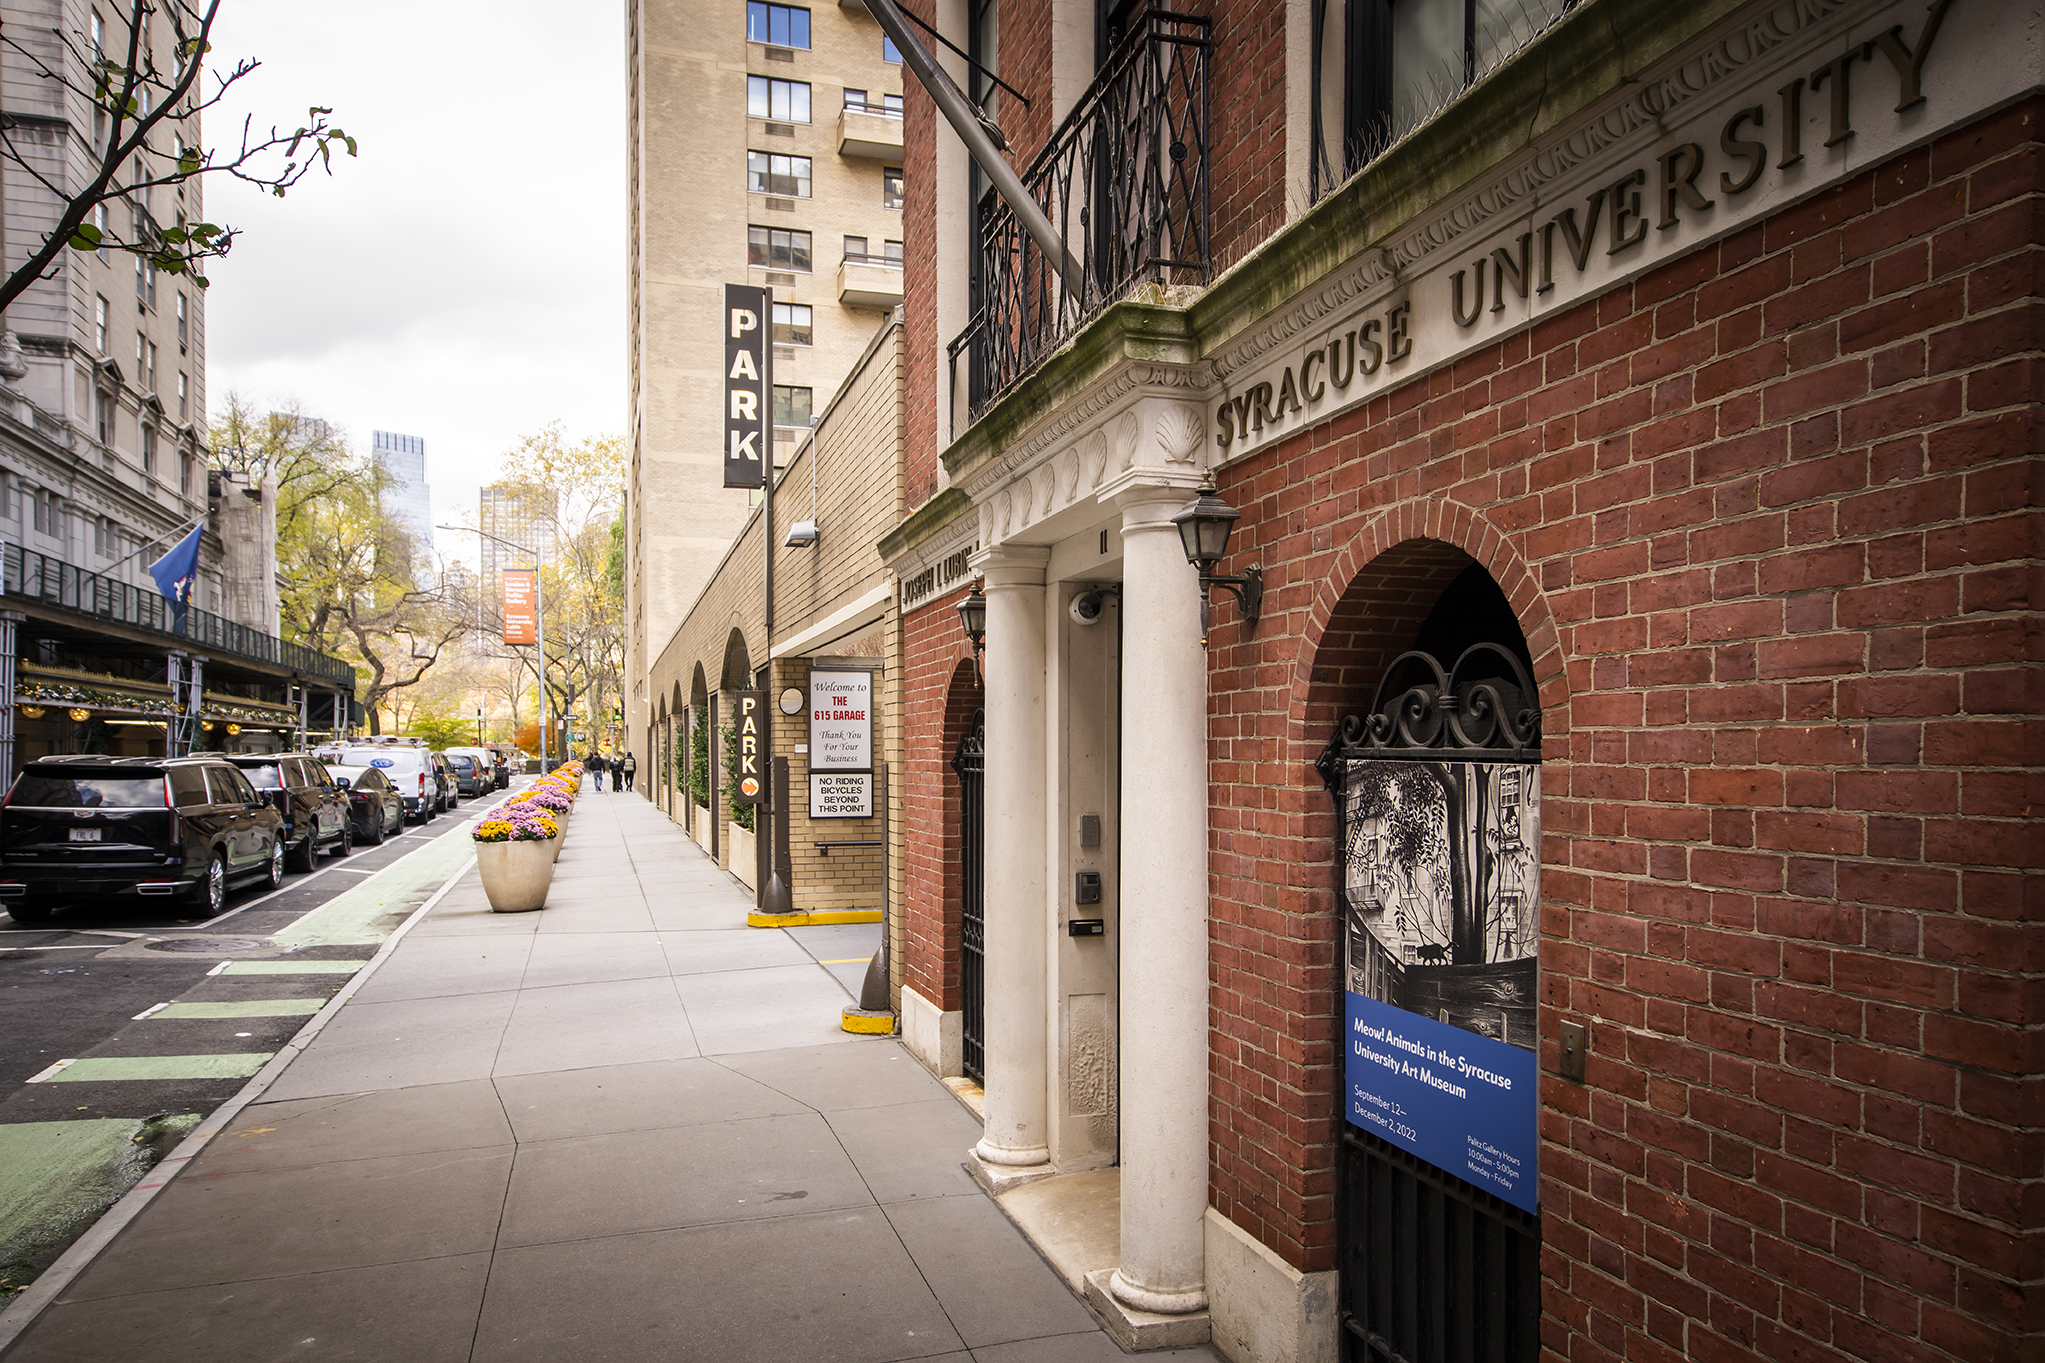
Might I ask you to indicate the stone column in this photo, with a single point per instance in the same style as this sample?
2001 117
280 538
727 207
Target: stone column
10 656
1013 1025
1164 914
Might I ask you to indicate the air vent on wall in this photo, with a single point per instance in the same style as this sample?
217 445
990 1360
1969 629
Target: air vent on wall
776 277
781 205
780 130
780 54
784 352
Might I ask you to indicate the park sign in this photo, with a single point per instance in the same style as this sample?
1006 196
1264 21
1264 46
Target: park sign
748 385
521 615
752 748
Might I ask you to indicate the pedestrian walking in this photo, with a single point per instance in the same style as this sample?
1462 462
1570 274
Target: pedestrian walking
595 768
630 767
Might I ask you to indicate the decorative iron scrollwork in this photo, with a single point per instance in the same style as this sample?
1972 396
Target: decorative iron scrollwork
1485 704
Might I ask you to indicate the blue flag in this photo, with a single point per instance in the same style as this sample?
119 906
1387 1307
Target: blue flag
178 570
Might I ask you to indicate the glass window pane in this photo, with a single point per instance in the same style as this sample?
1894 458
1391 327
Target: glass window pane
798 101
757 96
798 251
887 50
855 99
777 25
756 21
798 28
1427 59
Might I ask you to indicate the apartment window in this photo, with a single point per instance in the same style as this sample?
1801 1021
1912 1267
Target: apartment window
791 405
103 416
888 52
149 285
770 173
184 398
182 341
99 536
148 446
891 252
780 25
777 248
99 35
40 500
891 187
184 475
141 350
103 219
99 327
792 325
889 106
786 100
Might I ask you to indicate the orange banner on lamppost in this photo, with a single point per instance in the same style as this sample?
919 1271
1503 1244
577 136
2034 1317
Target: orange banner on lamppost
521 616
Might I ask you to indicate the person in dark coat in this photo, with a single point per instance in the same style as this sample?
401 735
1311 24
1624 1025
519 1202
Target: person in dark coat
628 767
595 768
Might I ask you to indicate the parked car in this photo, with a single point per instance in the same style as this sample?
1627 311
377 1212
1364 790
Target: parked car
484 777
185 828
471 777
375 808
450 796
315 813
409 769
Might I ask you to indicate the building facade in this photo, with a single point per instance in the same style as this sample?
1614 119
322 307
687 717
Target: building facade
1586 909
765 149
407 498
104 463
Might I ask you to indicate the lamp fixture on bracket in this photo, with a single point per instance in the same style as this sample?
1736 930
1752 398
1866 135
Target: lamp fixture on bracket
973 619
1203 529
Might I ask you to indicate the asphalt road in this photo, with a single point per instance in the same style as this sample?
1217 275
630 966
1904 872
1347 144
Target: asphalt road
122 1024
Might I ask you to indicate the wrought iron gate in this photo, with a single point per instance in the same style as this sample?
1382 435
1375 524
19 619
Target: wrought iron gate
970 764
1438 835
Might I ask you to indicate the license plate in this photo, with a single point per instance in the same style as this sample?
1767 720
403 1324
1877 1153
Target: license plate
85 835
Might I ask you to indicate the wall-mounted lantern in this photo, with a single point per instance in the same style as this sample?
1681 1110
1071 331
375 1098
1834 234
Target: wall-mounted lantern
973 619
1203 530
801 535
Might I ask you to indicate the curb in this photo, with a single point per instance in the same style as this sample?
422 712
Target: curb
59 1275
813 916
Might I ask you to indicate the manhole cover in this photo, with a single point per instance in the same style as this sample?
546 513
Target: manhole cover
203 944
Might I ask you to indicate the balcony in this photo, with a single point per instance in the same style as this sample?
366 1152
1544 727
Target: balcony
45 581
1124 181
870 282
871 133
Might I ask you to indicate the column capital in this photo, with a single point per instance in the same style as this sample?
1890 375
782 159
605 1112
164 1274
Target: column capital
1012 565
1152 507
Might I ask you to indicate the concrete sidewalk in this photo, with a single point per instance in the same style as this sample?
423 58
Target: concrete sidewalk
625 1127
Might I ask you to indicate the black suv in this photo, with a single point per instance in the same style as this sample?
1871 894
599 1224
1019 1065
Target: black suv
315 810
184 827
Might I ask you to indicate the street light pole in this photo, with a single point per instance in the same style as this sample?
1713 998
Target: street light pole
539 625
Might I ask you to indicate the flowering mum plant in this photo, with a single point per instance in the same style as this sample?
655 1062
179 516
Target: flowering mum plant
518 827
552 800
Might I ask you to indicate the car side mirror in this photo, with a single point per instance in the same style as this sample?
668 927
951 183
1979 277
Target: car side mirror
340 783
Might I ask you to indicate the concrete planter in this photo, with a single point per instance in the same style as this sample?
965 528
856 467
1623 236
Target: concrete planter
516 874
739 855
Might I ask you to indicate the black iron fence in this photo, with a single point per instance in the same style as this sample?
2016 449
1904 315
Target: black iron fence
53 582
1124 181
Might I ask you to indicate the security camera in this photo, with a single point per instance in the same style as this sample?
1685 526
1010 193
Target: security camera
1085 608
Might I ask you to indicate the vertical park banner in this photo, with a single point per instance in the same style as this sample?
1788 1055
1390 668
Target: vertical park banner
521 607
1441 882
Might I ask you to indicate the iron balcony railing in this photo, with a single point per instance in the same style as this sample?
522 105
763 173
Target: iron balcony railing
53 582
1124 180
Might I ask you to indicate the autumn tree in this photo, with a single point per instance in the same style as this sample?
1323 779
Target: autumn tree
142 83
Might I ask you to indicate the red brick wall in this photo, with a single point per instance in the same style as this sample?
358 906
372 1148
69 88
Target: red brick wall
1769 520
923 348
941 692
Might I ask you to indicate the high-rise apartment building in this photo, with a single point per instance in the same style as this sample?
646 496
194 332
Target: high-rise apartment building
765 149
522 514
407 498
104 461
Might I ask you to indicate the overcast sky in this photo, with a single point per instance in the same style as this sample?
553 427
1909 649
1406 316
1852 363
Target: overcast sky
463 279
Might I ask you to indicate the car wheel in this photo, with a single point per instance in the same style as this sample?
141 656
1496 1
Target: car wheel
277 863
30 913
378 828
306 854
347 842
212 892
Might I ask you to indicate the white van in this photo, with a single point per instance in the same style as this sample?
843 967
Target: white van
407 768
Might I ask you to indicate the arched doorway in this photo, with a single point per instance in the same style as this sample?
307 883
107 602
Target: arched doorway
1424 685
965 883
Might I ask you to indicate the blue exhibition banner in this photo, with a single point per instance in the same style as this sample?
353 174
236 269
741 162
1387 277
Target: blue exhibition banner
1460 1101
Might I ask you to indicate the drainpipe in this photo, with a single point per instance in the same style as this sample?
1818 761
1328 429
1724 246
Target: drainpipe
965 121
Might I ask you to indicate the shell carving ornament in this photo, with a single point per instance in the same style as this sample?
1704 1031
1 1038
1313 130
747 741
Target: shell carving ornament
1180 430
1125 441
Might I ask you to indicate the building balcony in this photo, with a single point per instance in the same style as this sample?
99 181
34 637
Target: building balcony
870 282
870 134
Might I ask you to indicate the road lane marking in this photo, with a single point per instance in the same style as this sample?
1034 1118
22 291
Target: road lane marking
52 1072
152 1008
241 1008
360 916
288 968
95 1068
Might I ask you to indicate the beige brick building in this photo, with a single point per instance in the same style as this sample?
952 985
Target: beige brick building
765 149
